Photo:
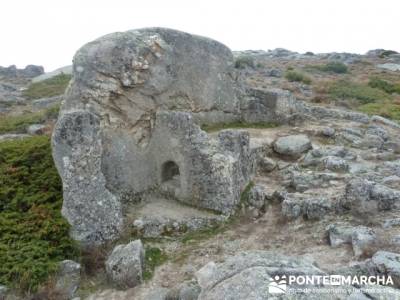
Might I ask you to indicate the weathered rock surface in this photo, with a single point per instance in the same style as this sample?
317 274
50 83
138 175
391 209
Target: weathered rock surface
363 196
130 125
390 67
125 264
363 239
248 275
68 278
339 234
388 263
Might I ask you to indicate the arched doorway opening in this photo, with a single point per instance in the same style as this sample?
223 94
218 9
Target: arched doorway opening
170 173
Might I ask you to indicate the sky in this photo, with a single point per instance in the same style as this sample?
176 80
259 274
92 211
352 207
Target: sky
49 32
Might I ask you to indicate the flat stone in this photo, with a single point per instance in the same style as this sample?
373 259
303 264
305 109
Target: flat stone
293 145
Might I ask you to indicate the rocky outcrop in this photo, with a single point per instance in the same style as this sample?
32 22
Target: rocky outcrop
28 72
131 125
363 196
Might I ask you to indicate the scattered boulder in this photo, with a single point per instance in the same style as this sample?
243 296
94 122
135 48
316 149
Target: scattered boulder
388 263
328 131
36 129
125 265
292 145
310 207
68 278
362 240
266 165
339 234
256 197
335 164
270 105
390 67
363 196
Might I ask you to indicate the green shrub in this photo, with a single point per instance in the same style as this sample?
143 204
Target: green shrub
335 67
364 94
153 258
331 67
244 61
384 85
245 195
297 76
18 124
48 88
33 235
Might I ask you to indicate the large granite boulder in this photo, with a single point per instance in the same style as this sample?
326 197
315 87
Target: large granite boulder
130 124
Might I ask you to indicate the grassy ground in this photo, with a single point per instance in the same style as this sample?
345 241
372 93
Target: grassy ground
18 124
33 235
48 88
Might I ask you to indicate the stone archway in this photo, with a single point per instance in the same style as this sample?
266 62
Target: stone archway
170 173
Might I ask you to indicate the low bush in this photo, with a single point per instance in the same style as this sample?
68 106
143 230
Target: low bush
153 258
33 234
297 76
335 67
384 85
344 90
330 67
48 88
244 61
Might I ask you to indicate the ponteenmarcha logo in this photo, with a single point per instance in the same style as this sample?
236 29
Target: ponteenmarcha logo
277 285
281 284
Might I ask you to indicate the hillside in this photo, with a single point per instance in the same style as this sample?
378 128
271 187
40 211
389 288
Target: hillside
303 159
